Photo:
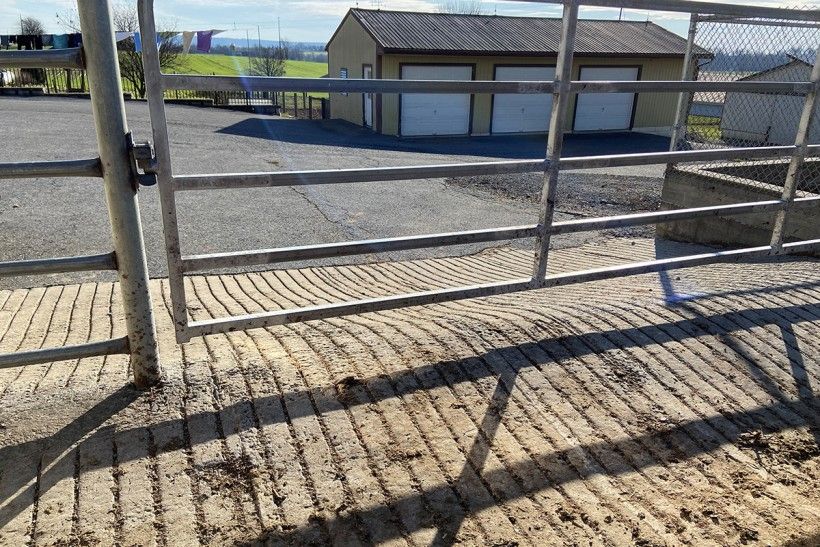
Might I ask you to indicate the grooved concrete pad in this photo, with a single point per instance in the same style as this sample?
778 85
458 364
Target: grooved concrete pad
651 410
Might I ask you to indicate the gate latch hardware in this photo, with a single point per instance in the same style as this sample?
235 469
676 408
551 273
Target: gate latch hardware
142 153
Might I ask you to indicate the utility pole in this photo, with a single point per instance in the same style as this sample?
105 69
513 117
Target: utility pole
248 45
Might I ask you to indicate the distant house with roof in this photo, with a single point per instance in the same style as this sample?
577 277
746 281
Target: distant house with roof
767 118
437 46
710 103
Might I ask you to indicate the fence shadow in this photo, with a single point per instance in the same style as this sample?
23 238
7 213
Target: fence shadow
555 466
54 453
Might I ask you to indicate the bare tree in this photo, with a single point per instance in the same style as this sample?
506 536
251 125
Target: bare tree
285 48
126 20
69 19
31 25
268 61
464 7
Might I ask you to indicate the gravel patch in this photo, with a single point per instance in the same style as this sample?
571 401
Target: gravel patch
580 195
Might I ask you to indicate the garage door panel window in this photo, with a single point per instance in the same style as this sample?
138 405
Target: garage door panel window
522 113
605 111
435 113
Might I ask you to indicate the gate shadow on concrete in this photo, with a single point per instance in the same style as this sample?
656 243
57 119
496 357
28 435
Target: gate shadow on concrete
95 425
448 529
685 299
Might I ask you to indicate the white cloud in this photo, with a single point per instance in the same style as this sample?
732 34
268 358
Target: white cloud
320 7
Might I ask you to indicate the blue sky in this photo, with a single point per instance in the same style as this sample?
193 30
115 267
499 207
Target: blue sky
307 20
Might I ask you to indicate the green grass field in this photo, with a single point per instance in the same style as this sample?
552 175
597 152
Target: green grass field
226 65
707 128
220 65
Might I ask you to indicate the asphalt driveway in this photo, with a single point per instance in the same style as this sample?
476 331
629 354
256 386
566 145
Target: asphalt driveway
58 217
343 134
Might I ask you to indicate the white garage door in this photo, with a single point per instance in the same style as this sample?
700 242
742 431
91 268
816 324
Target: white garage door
605 111
518 113
435 113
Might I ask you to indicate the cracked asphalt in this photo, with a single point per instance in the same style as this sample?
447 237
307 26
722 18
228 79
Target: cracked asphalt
62 216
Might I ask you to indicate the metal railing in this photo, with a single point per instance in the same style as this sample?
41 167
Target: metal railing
42 58
562 89
119 179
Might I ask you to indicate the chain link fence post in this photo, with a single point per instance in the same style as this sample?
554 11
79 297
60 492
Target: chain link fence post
798 159
120 187
685 98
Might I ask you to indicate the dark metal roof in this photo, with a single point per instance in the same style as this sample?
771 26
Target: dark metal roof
452 34
790 60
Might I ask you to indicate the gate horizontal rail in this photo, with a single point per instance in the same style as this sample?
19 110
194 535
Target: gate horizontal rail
214 261
42 58
306 252
561 88
64 353
114 346
413 172
65 264
59 168
657 217
325 311
355 85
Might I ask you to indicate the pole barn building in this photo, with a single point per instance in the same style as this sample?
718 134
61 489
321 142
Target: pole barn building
437 46
767 118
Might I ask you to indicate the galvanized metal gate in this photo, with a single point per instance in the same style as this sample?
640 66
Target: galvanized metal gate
118 159
562 89
116 168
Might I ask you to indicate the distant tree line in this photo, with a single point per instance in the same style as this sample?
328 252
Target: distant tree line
462 7
292 51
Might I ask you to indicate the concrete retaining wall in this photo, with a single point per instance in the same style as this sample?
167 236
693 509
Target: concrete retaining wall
690 187
22 91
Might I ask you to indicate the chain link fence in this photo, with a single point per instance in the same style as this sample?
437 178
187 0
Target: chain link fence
752 50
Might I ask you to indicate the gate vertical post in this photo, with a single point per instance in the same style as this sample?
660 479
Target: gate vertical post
798 159
685 97
555 143
120 182
155 94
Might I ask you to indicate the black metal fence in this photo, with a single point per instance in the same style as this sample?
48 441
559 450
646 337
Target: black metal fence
52 80
294 105
66 80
